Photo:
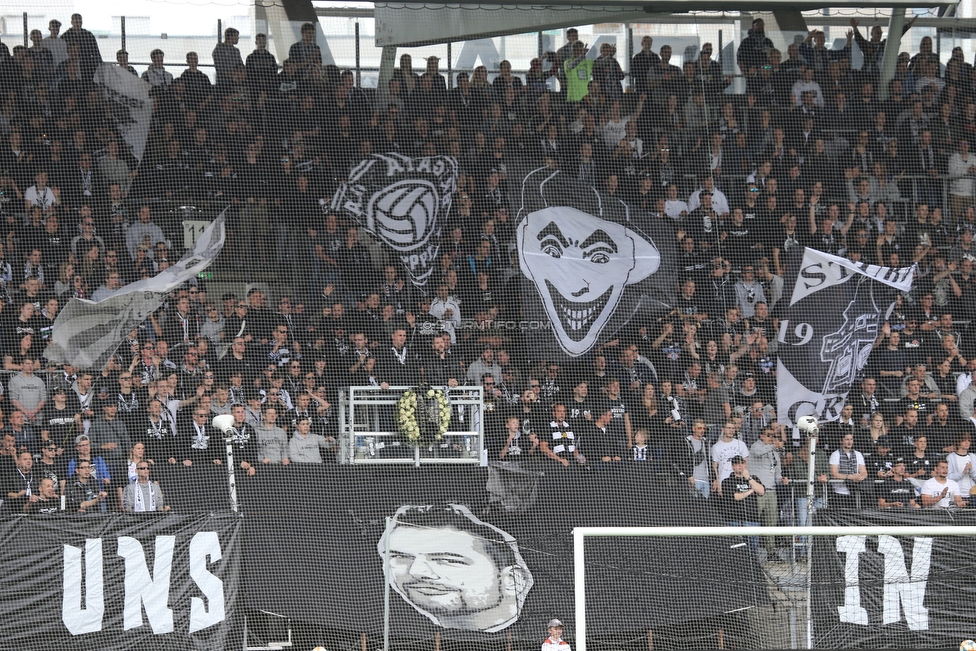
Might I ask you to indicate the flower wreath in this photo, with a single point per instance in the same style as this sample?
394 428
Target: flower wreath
423 414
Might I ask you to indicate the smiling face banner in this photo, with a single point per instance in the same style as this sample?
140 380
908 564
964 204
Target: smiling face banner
590 268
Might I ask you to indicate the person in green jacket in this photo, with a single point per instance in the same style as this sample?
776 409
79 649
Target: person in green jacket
579 71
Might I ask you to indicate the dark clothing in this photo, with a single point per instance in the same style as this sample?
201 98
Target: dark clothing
16 481
159 438
56 472
746 510
397 367
79 492
896 491
596 443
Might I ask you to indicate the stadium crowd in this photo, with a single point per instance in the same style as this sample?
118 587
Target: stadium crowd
808 156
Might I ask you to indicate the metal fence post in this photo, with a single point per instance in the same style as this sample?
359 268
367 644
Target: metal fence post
359 72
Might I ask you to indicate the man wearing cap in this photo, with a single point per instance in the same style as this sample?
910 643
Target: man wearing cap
883 461
754 49
555 641
896 491
52 466
741 492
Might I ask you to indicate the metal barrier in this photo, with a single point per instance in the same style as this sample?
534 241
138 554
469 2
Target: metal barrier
369 436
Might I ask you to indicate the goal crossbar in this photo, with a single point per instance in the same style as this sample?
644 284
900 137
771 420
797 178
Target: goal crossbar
581 533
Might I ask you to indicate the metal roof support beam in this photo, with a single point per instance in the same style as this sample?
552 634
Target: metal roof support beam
892 47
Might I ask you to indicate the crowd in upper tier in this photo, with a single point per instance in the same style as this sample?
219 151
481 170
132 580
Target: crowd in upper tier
809 155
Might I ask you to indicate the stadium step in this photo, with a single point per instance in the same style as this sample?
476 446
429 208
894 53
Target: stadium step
267 631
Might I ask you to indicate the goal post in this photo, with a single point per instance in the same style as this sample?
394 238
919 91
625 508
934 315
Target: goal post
580 535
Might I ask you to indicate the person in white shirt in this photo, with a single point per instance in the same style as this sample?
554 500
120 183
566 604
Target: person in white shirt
54 44
41 196
615 128
445 308
144 231
722 452
962 170
720 203
962 464
965 379
555 641
806 84
674 207
846 464
939 490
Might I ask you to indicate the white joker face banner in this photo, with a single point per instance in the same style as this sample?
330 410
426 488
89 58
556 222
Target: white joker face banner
581 265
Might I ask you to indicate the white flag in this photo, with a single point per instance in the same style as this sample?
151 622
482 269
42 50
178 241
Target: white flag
87 333
128 96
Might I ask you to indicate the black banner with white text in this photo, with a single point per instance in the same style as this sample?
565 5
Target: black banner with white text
894 592
121 582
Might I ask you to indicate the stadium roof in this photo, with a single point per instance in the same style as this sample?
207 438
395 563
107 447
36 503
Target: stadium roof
409 24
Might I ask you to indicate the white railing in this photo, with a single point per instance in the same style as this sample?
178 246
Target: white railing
369 435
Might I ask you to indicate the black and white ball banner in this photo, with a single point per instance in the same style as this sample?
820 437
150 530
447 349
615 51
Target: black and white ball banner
403 201
828 331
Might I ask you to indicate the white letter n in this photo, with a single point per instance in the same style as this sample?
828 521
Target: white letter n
142 589
901 590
